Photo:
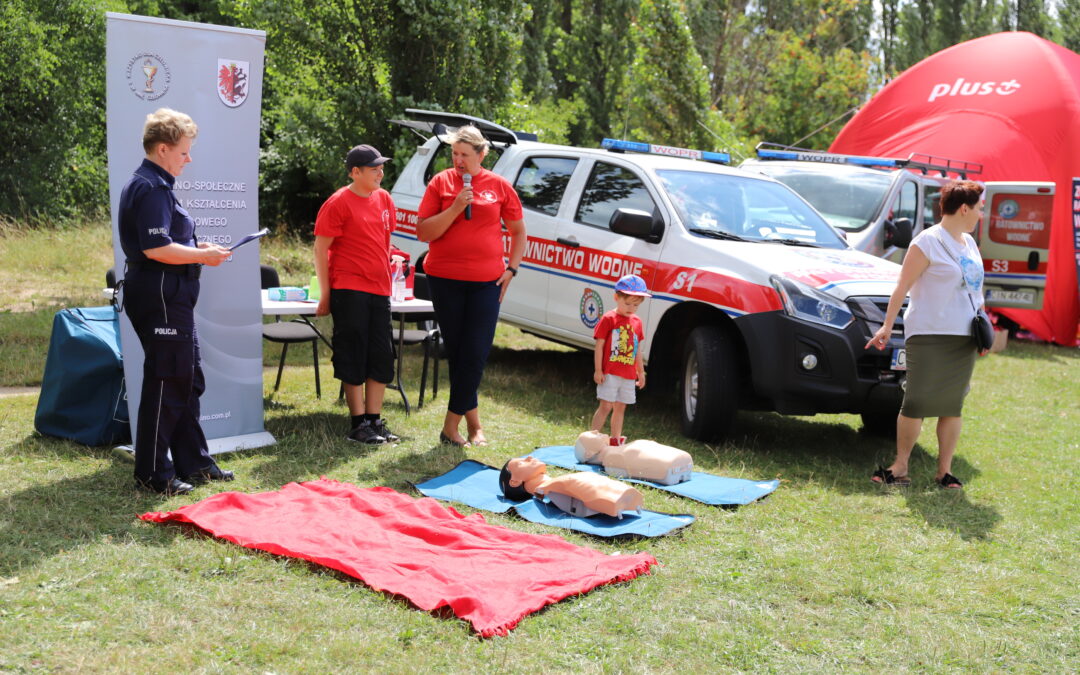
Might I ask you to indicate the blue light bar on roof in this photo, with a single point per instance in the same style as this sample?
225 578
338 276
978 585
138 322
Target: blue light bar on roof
826 157
666 150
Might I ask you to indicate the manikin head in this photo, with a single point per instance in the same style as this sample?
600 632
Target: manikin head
516 473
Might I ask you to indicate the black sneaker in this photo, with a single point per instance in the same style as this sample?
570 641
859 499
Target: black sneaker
384 431
365 432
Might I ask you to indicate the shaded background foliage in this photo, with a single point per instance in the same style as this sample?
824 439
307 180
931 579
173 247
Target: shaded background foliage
714 74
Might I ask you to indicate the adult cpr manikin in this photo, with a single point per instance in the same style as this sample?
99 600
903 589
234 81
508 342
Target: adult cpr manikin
642 460
580 494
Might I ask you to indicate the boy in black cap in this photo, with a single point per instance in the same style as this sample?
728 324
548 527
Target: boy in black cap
352 262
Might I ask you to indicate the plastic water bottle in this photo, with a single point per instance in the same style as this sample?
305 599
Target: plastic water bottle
313 288
397 271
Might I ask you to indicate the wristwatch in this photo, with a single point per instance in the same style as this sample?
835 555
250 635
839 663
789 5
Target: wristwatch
511 270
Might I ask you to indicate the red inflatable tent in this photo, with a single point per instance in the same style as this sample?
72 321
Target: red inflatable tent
1010 101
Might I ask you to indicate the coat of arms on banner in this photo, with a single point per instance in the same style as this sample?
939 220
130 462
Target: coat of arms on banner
232 81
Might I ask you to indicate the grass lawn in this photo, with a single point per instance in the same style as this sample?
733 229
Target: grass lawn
830 573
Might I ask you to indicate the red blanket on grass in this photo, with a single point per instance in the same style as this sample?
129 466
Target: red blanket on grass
488 575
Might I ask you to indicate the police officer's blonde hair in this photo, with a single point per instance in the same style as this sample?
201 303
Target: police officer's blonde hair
168 126
471 135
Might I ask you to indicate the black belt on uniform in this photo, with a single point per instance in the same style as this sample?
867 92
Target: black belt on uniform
191 271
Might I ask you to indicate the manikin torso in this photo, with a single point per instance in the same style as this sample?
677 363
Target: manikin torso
643 460
597 493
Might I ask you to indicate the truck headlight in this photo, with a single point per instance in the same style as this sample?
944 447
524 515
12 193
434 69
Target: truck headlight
804 302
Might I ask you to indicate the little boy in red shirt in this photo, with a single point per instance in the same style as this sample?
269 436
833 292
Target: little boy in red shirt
617 355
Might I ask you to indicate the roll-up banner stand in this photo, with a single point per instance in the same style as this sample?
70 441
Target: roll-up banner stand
214 74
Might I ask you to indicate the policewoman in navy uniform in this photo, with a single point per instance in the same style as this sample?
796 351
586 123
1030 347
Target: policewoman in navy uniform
161 286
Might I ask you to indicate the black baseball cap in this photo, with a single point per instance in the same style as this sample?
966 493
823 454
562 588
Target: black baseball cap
364 155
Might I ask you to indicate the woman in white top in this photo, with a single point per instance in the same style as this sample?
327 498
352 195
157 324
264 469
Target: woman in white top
943 271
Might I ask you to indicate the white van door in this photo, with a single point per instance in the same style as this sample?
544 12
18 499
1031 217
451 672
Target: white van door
1014 238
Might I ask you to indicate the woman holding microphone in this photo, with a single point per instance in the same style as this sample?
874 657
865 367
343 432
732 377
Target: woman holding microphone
943 271
462 216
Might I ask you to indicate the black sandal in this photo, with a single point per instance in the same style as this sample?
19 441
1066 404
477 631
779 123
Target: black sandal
950 482
885 476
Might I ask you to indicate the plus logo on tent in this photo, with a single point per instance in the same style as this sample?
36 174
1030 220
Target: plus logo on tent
962 88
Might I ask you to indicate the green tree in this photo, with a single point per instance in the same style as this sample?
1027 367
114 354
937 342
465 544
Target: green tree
1069 15
337 71
591 55
926 27
720 28
1034 17
782 70
669 91
325 89
52 139
808 90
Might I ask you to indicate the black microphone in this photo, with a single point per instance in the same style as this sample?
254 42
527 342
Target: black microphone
467 178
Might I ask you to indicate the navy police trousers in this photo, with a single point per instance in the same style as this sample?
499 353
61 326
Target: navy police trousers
161 306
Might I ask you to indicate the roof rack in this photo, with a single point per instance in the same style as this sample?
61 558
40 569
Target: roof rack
615 145
437 122
916 160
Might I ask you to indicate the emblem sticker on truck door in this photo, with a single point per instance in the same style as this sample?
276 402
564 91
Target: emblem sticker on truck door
592 308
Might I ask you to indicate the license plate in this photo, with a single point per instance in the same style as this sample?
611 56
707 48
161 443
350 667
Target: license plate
899 359
1019 297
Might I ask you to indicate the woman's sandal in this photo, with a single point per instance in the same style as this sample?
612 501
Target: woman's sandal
446 440
885 476
950 482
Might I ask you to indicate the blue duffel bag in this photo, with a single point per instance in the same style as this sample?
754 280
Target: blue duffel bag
82 391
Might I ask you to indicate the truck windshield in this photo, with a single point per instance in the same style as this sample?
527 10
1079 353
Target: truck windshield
750 208
849 200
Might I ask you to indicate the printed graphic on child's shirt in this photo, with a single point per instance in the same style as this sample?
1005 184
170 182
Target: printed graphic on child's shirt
624 345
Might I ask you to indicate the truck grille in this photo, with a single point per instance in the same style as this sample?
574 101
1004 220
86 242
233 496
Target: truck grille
870 314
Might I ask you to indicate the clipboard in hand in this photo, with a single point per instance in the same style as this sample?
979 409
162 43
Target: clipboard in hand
251 237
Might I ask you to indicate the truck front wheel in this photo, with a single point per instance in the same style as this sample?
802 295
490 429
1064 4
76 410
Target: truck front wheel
709 385
880 424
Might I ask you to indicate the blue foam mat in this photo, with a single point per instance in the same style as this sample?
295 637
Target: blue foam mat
477 485
702 487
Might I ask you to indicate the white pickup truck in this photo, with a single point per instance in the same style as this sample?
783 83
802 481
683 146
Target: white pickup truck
880 203
758 303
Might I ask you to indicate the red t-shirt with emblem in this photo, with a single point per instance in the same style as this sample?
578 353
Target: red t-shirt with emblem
361 227
470 250
622 336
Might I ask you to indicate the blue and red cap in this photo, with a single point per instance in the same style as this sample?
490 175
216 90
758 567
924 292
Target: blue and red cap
632 284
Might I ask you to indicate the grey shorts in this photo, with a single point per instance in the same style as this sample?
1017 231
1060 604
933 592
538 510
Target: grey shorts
617 389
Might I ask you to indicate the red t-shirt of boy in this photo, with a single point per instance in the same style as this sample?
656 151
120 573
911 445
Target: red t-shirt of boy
361 227
622 336
470 250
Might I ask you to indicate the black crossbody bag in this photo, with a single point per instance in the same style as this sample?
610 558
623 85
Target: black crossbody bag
982 331
981 328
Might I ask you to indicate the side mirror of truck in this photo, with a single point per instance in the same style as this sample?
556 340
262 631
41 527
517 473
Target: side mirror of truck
898 232
635 223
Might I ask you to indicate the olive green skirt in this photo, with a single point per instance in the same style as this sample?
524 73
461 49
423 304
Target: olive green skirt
939 371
